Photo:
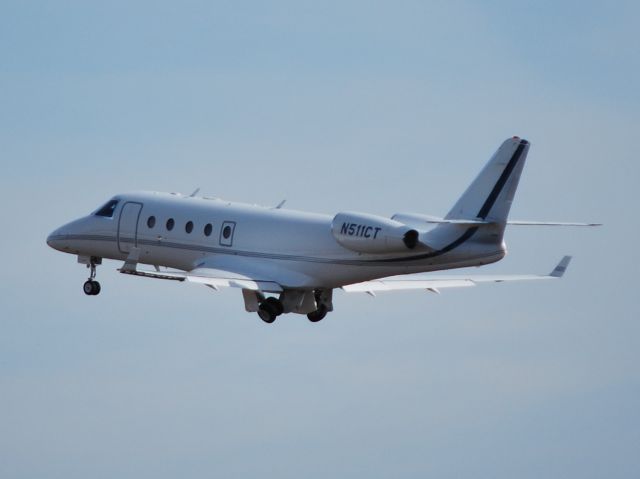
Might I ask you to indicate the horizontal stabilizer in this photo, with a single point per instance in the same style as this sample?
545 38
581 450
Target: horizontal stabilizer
549 223
417 220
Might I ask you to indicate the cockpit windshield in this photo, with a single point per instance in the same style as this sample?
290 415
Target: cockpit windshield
107 210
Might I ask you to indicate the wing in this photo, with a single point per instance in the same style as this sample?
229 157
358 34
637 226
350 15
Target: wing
435 283
220 278
212 277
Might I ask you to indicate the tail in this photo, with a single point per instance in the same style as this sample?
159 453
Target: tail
479 217
490 195
472 233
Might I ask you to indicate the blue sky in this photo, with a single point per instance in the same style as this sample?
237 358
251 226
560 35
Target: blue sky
381 107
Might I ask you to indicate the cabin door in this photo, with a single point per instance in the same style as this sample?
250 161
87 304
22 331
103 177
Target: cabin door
128 226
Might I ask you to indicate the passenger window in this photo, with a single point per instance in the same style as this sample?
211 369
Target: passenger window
151 222
226 233
170 224
107 210
208 229
188 227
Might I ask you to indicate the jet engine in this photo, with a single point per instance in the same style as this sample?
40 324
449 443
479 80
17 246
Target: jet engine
365 233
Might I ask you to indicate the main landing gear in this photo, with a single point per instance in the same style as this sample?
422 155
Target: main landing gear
270 309
324 304
91 287
315 304
318 314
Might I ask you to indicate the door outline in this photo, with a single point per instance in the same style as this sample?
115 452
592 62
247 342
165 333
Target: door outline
135 234
227 241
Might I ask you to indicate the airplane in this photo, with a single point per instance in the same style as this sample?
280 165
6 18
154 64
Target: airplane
287 261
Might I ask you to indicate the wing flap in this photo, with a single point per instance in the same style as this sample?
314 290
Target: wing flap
171 275
220 278
391 284
215 278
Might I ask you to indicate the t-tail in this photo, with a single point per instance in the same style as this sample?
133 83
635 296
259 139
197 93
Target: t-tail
476 223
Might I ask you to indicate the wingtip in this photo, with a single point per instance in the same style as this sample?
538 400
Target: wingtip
561 267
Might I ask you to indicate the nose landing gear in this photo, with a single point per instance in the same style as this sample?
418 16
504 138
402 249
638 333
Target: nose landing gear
91 287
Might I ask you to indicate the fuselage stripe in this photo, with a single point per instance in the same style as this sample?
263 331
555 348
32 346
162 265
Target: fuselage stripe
228 252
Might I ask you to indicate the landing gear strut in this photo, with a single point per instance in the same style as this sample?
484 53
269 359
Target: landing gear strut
91 287
269 309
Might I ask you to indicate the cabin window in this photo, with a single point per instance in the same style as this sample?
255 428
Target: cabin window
208 229
188 227
170 224
107 210
226 233
151 222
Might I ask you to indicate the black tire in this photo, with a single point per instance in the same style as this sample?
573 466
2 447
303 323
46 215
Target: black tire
87 287
267 312
96 288
276 304
318 314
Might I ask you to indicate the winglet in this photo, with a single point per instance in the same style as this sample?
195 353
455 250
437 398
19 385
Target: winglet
560 269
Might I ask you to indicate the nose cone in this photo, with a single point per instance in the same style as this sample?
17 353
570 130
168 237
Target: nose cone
57 239
69 238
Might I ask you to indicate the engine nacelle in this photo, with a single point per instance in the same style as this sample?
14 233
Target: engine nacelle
365 233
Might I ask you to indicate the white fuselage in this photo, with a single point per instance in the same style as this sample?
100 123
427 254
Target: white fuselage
295 249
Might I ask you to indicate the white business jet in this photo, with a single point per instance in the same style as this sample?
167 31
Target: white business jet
289 261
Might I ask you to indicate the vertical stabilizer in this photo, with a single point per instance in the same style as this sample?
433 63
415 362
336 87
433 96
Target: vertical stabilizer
490 195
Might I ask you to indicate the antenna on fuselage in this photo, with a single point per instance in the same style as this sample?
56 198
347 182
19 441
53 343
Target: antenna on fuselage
194 193
280 205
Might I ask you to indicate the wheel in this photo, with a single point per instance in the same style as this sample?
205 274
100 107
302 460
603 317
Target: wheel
267 312
87 287
318 314
91 288
276 304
